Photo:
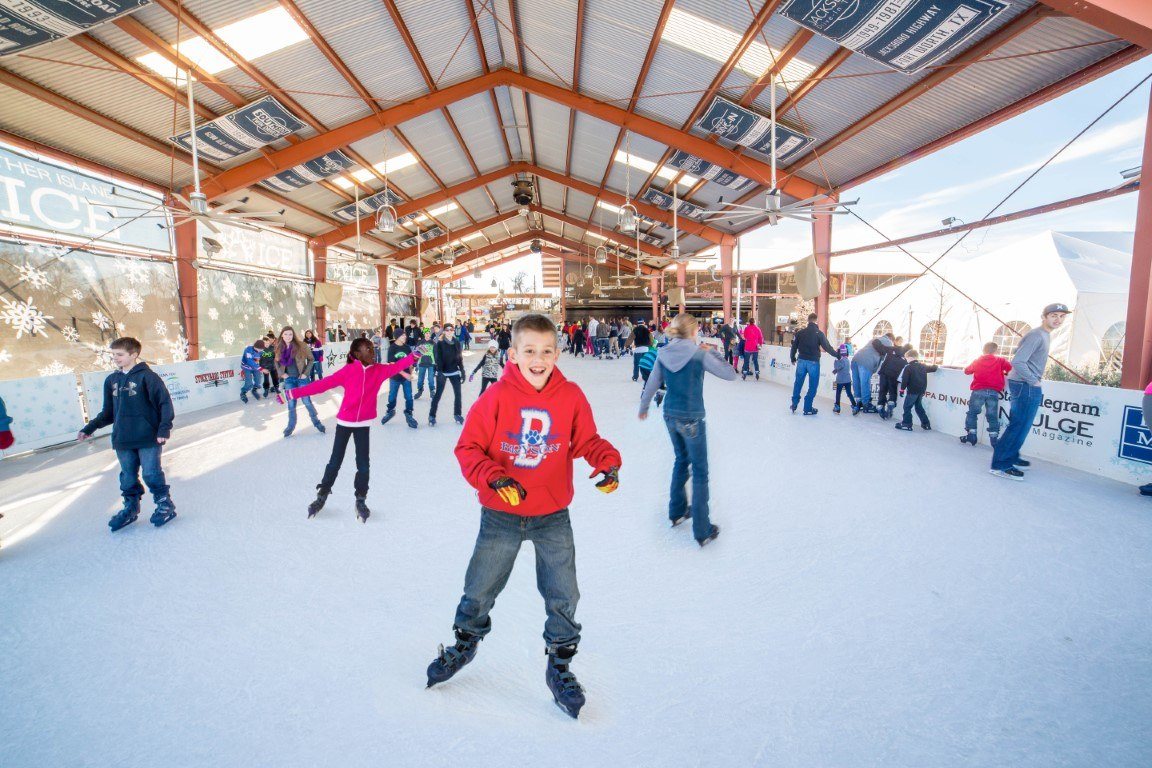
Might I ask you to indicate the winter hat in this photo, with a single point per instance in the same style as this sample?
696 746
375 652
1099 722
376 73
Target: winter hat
493 345
843 350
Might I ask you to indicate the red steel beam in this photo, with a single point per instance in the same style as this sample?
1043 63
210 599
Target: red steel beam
1127 19
525 237
1136 366
577 51
787 53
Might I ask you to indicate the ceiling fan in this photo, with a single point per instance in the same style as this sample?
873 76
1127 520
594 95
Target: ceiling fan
774 208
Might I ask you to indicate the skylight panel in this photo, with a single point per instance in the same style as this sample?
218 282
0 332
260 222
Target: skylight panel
716 42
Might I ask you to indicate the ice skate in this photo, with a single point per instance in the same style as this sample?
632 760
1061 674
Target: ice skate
1010 474
969 438
459 419
993 438
710 537
126 516
811 411
431 421
566 690
362 511
449 661
408 417
318 503
388 415
835 409
904 427
165 511
677 520
243 398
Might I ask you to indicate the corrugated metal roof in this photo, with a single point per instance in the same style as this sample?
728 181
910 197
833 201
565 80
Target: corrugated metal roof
616 37
438 29
476 203
549 33
413 180
591 153
676 82
551 194
480 127
549 132
489 35
434 141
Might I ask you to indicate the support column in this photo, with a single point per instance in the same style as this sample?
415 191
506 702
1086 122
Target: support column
726 281
418 283
756 297
822 250
440 301
682 284
1137 367
319 275
189 291
654 289
382 292
563 298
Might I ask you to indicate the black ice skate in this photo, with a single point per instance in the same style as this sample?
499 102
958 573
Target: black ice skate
127 515
388 416
566 690
904 427
318 503
431 421
459 419
451 660
165 511
410 419
681 519
711 536
969 438
362 511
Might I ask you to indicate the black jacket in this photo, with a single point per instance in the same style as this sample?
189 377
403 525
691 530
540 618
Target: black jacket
397 352
503 339
641 337
807 342
893 362
448 357
138 407
726 334
914 380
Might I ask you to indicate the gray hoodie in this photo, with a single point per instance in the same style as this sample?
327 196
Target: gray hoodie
670 362
868 357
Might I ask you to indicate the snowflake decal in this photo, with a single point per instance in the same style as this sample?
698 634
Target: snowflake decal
101 321
266 317
178 349
131 300
214 313
171 307
89 273
228 287
5 356
247 296
300 288
136 274
70 333
78 294
24 317
228 337
103 357
266 295
33 276
121 328
300 307
160 327
55 369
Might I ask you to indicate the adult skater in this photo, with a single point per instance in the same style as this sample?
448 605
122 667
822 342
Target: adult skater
865 363
1024 390
517 450
641 340
361 377
293 360
399 349
805 355
139 409
449 369
681 366
753 338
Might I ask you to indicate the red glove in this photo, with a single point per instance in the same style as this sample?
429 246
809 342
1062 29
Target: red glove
611 479
7 440
510 490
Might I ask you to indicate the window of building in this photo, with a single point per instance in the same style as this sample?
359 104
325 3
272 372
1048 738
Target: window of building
881 328
842 332
1112 347
932 338
1008 337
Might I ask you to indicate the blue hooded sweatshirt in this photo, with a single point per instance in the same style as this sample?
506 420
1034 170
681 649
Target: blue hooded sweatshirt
138 407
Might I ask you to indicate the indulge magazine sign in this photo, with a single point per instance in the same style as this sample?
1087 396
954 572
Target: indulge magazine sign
906 35
243 130
26 24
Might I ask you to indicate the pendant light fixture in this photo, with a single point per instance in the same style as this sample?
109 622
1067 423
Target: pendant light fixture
386 214
628 223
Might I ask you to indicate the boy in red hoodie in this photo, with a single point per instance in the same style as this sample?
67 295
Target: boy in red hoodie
516 450
987 372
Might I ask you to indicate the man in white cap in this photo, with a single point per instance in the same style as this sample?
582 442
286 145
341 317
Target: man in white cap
1024 389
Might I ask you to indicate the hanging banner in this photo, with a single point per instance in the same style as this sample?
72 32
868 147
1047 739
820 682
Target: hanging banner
906 35
309 172
26 24
424 236
262 248
370 205
661 200
742 126
644 237
693 165
249 127
49 197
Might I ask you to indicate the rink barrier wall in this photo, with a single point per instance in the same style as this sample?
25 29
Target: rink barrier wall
50 410
1094 429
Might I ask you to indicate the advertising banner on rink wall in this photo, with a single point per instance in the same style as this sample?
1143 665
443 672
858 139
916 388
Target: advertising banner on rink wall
44 411
1094 429
193 385
242 130
335 355
26 24
906 35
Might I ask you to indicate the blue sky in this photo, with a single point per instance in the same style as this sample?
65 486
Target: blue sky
967 179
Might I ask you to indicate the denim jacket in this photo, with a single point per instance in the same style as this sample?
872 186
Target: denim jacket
681 366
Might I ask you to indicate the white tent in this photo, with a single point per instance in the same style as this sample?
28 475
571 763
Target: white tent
1088 271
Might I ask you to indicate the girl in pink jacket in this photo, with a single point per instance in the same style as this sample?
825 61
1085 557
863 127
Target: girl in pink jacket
361 379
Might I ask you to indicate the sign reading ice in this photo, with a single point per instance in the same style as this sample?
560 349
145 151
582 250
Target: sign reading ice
262 248
906 35
48 197
742 126
250 127
25 24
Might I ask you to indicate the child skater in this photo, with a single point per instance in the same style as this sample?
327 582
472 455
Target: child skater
491 365
517 450
361 377
842 370
139 408
292 360
987 372
398 349
913 385
250 365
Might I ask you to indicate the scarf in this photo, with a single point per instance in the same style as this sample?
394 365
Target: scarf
286 355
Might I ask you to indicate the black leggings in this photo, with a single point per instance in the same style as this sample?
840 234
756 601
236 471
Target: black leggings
270 375
889 391
440 379
339 447
846 389
484 382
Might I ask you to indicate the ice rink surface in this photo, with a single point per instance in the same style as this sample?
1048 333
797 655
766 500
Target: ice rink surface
876 599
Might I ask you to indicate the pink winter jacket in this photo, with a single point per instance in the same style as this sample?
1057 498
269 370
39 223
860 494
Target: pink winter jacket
361 387
753 338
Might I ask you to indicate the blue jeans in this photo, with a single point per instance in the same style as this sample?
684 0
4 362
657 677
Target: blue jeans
862 384
987 400
253 380
394 387
497 544
809 369
915 401
1025 403
636 363
690 444
135 462
753 359
429 372
317 371
291 383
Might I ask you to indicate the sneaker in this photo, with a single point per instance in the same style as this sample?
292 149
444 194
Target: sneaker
165 511
1011 474
904 427
566 690
1022 463
451 660
810 411
969 438
711 536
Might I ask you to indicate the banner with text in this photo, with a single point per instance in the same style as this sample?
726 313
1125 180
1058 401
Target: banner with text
424 237
696 167
262 248
310 172
742 126
684 208
906 35
250 127
41 195
26 24
370 205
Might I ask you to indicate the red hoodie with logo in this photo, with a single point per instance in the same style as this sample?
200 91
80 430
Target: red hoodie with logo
532 437
987 372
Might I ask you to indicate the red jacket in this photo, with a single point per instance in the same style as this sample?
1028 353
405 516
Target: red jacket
361 385
988 371
532 437
753 338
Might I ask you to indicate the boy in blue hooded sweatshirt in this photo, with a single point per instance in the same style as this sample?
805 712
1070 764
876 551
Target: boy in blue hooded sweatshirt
139 408
253 373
